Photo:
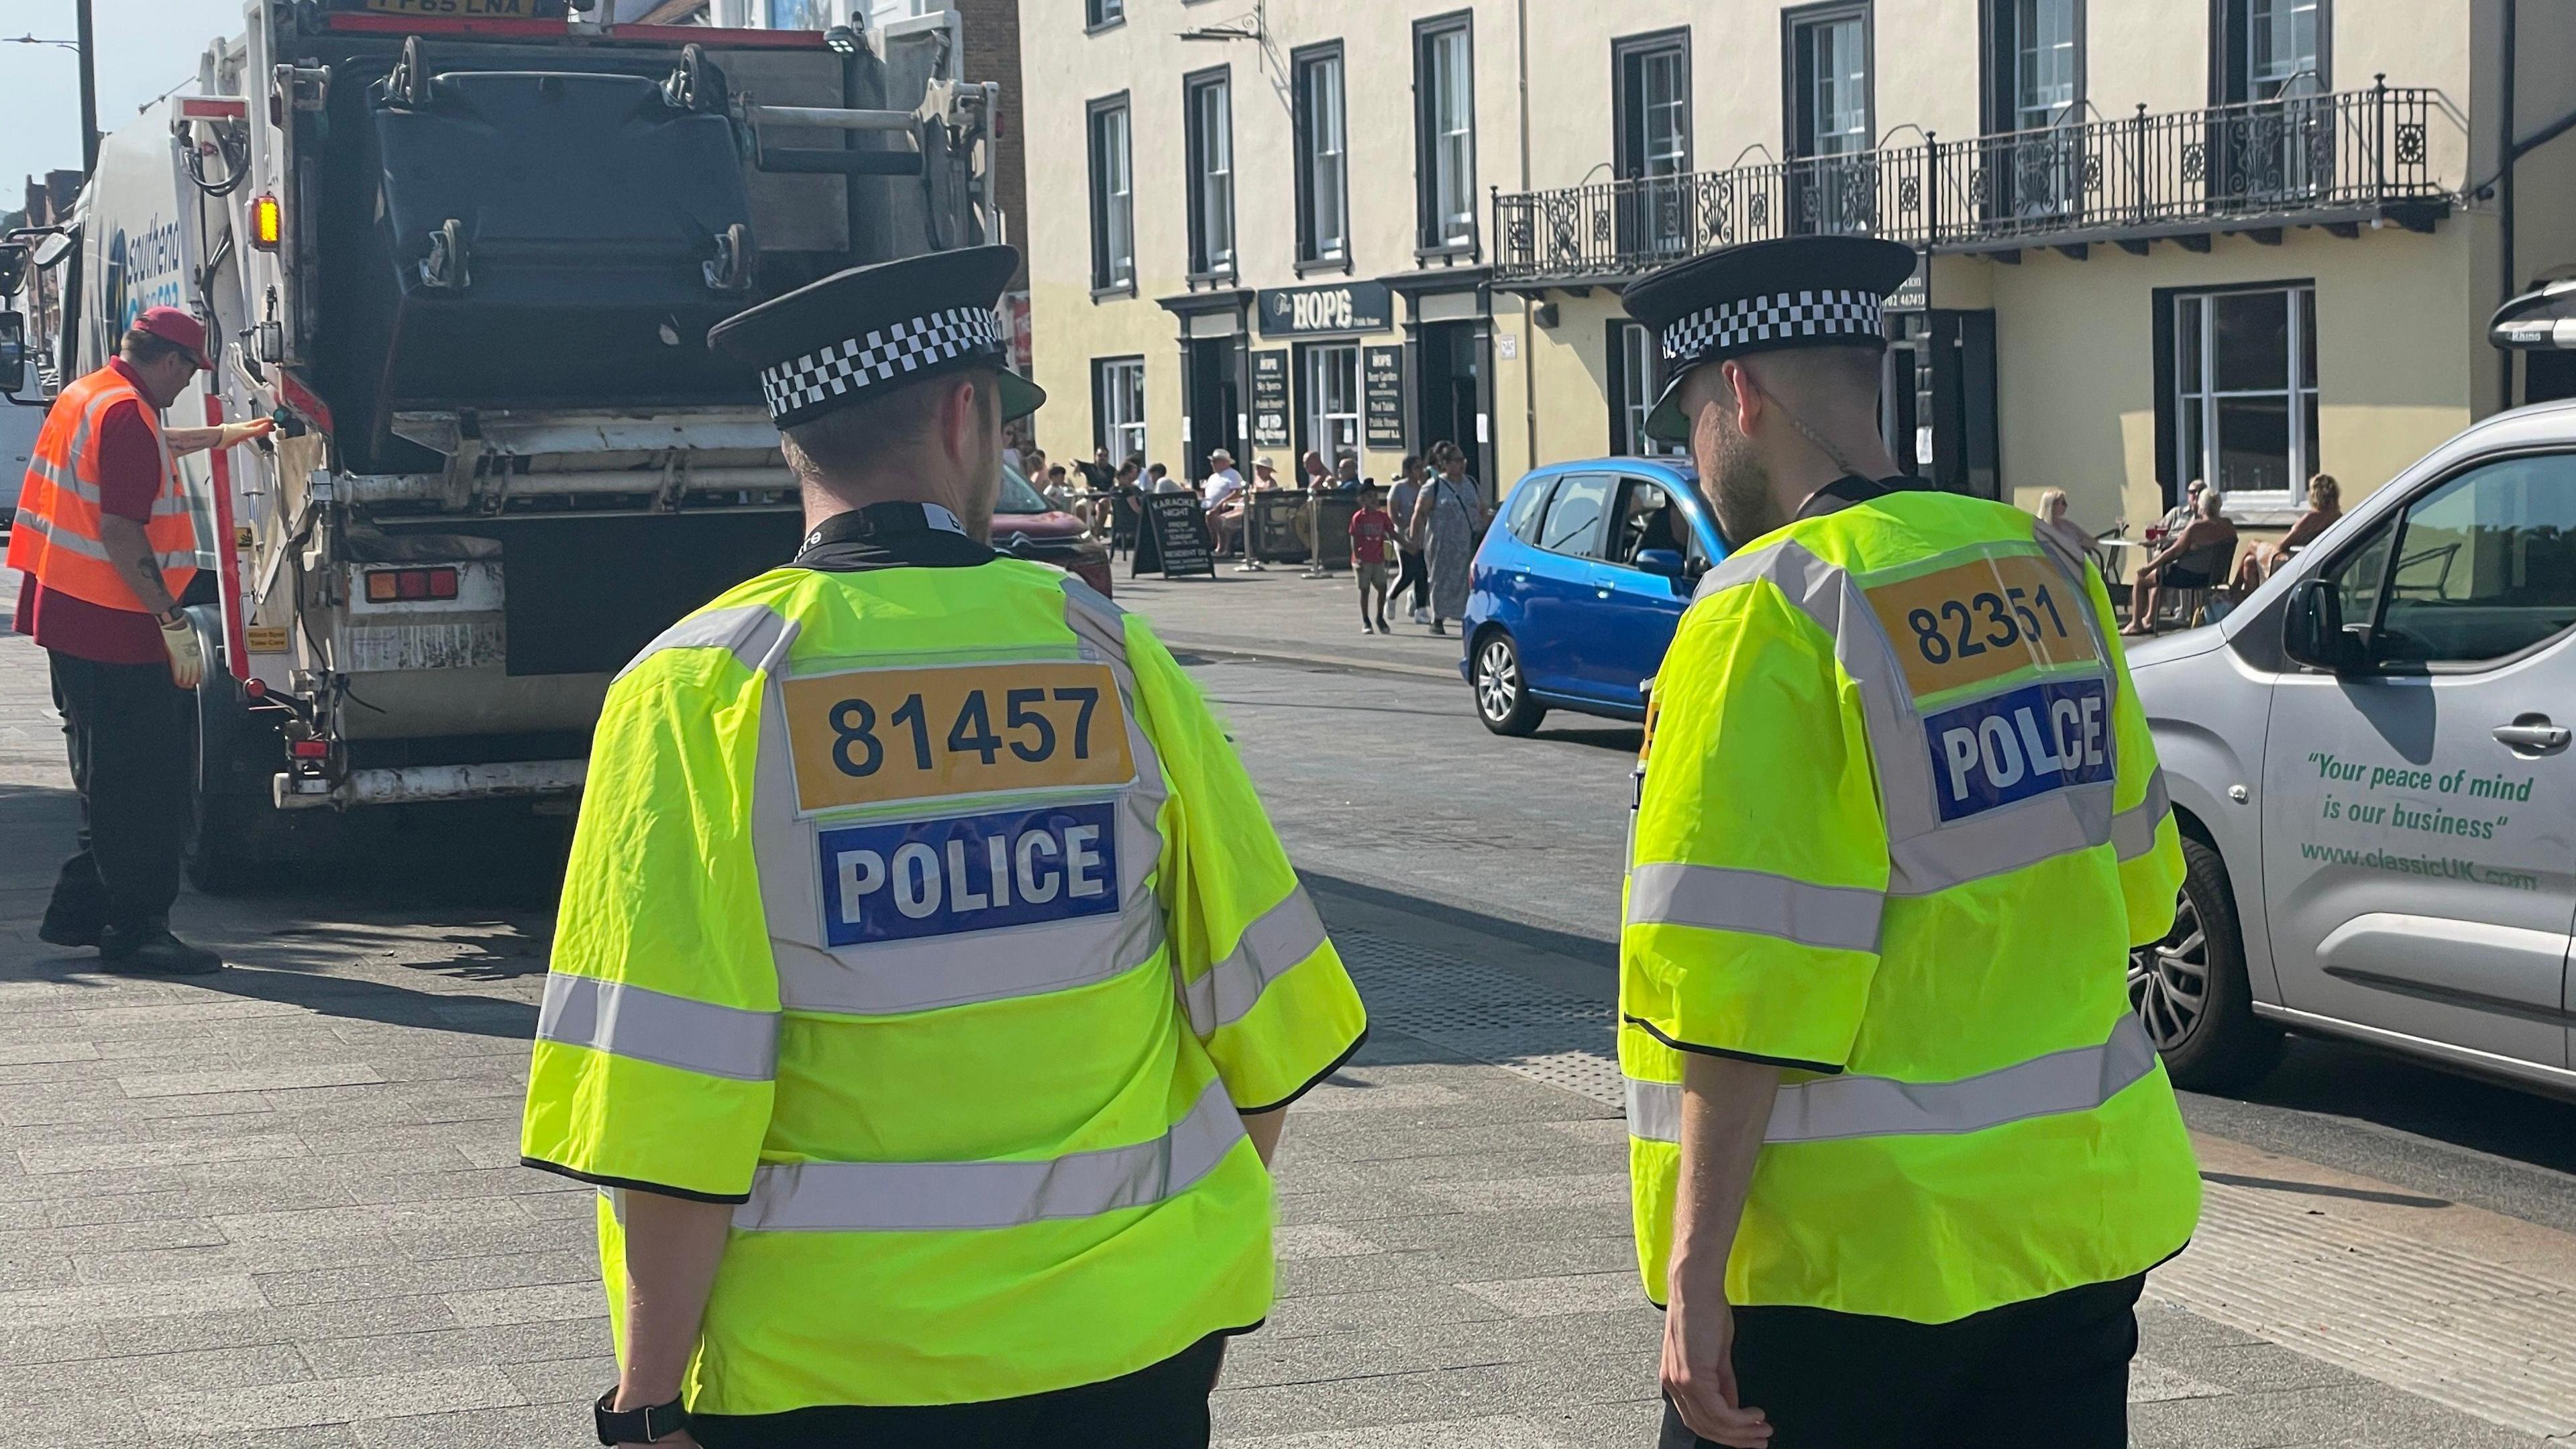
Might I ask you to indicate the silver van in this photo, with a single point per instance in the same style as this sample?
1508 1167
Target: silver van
2369 764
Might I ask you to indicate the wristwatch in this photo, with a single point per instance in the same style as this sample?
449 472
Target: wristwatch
649 1425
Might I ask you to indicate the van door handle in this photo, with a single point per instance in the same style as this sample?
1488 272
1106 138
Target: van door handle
2532 734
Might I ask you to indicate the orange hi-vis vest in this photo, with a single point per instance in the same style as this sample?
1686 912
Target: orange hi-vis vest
56 536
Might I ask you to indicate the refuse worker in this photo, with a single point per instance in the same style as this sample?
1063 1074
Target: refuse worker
930 985
1900 1153
108 543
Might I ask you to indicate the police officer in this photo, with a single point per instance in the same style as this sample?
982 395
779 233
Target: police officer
1900 1153
930 985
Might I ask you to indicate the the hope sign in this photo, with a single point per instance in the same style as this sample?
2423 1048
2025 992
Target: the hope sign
913 878
2014 745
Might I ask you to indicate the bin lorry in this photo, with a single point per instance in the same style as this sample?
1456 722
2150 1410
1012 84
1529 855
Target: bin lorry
468 264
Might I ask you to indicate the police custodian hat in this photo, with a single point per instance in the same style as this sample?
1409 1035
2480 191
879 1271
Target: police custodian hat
1800 291
857 335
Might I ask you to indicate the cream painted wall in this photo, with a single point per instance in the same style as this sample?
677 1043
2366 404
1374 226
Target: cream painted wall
2076 370
2411 364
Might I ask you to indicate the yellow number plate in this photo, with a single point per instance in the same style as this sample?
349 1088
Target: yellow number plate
488 9
1983 619
877 735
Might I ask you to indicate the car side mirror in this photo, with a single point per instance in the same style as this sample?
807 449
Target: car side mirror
2313 631
1667 562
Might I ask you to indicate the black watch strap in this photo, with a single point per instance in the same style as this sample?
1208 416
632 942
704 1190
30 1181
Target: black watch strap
649 1425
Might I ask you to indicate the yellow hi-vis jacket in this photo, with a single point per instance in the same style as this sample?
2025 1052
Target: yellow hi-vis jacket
927 914
1899 823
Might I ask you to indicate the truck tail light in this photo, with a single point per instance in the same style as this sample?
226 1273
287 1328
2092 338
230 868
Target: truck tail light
267 222
310 749
387 586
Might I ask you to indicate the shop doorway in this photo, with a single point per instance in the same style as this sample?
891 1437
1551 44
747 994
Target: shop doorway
1450 397
1938 409
1213 408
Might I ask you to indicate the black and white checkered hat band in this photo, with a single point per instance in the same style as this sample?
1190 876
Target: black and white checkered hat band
885 354
1777 317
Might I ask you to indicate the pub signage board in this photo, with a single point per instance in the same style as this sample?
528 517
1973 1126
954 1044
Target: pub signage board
1177 535
1331 307
1382 393
1270 398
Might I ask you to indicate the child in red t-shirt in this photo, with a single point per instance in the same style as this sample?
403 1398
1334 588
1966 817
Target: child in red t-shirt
1372 545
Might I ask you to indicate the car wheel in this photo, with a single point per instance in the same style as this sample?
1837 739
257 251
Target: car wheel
2191 991
1502 694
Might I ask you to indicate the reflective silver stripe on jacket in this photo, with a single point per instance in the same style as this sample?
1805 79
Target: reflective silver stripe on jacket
653 1026
1835 918
2078 1079
94 549
899 1197
1925 855
1269 948
891 978
2133 831
756 634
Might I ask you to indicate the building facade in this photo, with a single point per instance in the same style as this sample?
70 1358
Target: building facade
2247 240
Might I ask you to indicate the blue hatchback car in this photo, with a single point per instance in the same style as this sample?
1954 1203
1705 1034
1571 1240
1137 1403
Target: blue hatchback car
1579 586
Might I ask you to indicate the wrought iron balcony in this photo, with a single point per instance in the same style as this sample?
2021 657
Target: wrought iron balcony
2335 159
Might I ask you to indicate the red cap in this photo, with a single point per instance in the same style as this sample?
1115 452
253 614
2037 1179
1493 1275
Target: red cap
172 325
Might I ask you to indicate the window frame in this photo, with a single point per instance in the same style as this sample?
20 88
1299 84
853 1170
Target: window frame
1301 62
1610 481
1105 282
1627 122
1205 265
1108 427
1430 229
1795 20
1100 15
2299 389
1623 340
2000 102
2392 525
1310 412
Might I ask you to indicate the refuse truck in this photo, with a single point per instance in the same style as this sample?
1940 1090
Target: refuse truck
468 263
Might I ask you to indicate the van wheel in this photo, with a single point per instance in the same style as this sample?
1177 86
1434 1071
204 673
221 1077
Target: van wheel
1502 691
2190 988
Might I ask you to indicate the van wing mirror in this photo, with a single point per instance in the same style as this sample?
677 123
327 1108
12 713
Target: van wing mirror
13 267
13 353
51 248
2313 631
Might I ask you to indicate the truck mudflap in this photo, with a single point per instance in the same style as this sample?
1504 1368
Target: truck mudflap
421 784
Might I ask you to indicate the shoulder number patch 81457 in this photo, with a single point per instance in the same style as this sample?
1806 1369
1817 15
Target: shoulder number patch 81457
877 736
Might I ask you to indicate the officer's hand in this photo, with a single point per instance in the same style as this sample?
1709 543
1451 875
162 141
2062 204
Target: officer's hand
1699 1368
187 653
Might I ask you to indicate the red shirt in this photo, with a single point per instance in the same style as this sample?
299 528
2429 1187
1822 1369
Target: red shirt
1370 529
129 479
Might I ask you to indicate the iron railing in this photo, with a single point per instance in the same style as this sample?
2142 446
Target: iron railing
2331 155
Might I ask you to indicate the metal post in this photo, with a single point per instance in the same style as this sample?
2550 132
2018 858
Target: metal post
2138 166
2379 143
1931 202
88 89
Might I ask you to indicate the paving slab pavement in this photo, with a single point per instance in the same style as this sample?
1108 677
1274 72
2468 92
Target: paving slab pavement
281 1206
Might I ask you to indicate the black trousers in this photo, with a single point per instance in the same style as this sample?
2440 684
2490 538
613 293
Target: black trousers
1411 571
132 736
2052 1373
1160 1406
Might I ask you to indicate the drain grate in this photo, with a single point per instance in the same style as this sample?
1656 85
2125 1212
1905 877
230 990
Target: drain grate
1492 1016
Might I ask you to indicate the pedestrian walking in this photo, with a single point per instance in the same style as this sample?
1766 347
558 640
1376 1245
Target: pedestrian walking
1411 571
1900 1152
108 545
929 986
1372 542
1448 519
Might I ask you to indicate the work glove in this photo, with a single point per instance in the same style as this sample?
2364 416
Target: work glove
187 653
